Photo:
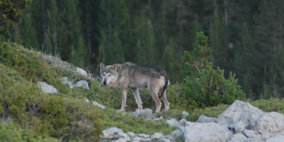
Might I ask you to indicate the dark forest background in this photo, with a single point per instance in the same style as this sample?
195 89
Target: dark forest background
246 36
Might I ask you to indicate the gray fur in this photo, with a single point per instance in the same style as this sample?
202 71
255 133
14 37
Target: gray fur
129 75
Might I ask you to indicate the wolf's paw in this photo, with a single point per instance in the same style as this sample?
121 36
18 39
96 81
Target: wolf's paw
120 110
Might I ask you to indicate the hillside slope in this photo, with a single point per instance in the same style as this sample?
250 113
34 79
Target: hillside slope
28 114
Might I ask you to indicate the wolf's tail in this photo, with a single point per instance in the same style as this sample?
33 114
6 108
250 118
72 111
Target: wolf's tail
162 90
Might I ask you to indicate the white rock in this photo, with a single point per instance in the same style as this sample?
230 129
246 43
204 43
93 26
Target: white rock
177 133
127 139
87 100
239 115
157 136
83 84
131 134
82 71
159 118
46 88
239 138
206 132
113 133
173 122
98 105
269 124
184 114
205 119
182 122
278 138
145 113
66 81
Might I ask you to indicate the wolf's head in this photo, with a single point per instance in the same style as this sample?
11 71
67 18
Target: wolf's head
109 74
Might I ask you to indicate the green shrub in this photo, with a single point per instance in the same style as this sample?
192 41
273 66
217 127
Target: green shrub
204 86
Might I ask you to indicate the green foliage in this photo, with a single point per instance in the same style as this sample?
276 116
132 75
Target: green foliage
11 132
203 85
272 104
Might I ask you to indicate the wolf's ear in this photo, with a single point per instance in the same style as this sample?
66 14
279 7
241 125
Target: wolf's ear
114 67
102 65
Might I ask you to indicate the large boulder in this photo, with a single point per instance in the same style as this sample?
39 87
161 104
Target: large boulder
269 124
206 132
239 116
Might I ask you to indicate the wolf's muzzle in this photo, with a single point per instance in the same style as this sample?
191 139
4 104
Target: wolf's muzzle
104 82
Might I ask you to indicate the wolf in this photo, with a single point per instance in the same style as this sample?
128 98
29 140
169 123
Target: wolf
133 76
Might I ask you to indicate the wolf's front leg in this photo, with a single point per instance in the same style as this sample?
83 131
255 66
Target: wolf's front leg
137 98
123 99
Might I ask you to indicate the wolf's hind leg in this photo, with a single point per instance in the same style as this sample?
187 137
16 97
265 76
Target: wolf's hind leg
154 94
165 101
137 98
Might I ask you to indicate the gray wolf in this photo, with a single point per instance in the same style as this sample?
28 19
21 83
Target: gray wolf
129 75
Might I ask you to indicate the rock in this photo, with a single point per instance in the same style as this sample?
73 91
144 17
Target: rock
157 136
113 133
131 134
98 105
158 119
82 72
66 81
269 124
182 122
205 119
87 100
173 122
46 88
184 114
141 137
127 139
206 132
278 138
252 135
239 138
239 116
177 133
145 113
82 83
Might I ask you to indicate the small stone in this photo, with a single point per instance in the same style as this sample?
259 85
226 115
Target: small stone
144 113
46 88
98 105
157 136
66 81
82 71
184 114
159 118
173 122
82 83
